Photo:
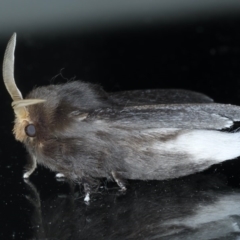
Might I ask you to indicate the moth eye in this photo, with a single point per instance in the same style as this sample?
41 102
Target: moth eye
30 130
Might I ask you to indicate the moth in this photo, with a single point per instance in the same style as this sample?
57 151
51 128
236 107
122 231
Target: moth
83 133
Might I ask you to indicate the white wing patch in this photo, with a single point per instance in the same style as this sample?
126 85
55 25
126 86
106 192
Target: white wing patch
203 144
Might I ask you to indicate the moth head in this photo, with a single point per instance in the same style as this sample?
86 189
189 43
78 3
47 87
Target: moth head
24 127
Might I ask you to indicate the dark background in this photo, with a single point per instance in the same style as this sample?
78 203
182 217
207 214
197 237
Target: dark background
121 48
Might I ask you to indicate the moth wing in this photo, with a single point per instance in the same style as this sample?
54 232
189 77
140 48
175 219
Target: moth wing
184 116
158 96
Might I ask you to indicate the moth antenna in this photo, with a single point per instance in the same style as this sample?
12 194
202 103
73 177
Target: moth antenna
18 103
8 69
26 102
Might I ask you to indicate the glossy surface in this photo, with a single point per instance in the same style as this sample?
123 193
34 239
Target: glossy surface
200 56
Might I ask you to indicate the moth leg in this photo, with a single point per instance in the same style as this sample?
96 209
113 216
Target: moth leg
119 180
33 166
60 175
87 190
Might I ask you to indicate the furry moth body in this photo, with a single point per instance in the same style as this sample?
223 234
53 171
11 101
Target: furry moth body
81 132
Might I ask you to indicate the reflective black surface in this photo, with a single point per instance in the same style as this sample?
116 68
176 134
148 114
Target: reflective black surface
201 56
